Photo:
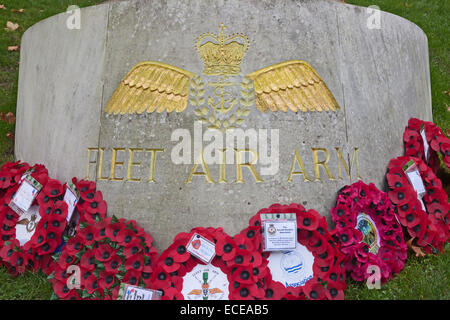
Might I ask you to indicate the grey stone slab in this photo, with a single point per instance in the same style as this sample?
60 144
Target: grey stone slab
380 78
60 92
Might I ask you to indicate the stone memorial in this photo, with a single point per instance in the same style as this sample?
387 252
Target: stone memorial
200 113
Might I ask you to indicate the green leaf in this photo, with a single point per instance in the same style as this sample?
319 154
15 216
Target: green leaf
100 266
54 297
119 276
83 225
96 294
114 219
122 268
51 276
85 294
96 272
66 238
56 256
7 243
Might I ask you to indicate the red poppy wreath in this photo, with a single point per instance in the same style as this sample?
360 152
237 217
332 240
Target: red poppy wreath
100 257
426 149
313 270
232 274
90 209
368 232
26 240
425 218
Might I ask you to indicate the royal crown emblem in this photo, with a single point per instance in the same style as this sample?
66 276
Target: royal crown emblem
222 97
221 54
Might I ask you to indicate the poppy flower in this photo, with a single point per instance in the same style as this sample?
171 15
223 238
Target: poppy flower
243 275
125 236
104 252
168 263
5 180
135 263
87 261
334 293
172 294
413 218
106 279
66 259
45 209
226 248
314 290
243 242
308 220
179 252
60 288
60 208
132 248
48 247
132 277
401 195
242 291
74 244
39 237
86 187
275 291
252 235
60 273
88 234
112 231
91 284
53 188
242 258
96 204
113 264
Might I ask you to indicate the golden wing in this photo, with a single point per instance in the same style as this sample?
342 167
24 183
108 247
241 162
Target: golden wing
196 292
151 86
293 85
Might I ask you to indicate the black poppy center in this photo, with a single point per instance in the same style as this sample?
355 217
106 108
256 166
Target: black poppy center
162 276
244 292
181 249
245 275
168 261
227 248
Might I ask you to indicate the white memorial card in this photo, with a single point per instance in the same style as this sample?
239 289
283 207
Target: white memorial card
25 195
426 147
201 248
129 292
414 178
279 231
26 226
71 197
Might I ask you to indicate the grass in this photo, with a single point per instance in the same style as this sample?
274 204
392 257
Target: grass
426 278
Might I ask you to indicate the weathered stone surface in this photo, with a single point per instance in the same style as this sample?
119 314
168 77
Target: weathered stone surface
379 77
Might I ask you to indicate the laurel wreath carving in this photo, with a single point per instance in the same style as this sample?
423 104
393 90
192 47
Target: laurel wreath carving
203 112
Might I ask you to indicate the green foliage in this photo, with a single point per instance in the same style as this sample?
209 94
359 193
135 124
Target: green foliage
422 278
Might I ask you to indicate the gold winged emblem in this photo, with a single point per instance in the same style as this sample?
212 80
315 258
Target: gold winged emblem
154 86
